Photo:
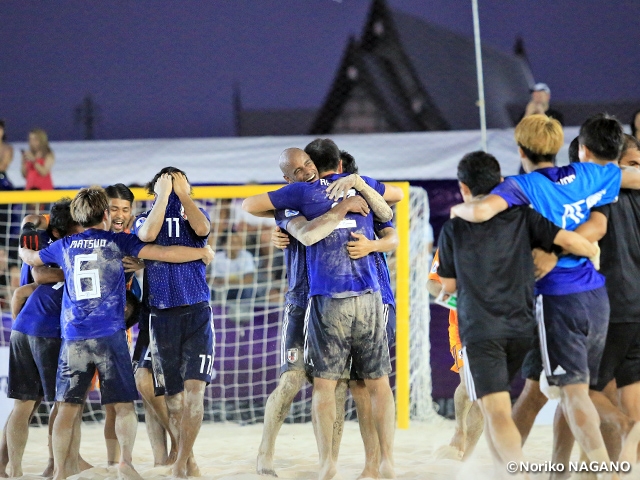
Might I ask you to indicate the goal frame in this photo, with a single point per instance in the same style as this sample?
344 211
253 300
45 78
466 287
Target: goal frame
244 191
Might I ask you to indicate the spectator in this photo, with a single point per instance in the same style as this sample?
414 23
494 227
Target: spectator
234 269
540 96
635 125
38 161
6 157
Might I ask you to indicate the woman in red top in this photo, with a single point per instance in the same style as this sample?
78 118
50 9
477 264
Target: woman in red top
38 161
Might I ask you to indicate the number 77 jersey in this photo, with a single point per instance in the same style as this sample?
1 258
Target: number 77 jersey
94 294
175 284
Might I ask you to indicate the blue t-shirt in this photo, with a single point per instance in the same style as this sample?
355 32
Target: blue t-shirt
94 292
565 195
383 269
26 276
331 272
295 259
40 316
176 284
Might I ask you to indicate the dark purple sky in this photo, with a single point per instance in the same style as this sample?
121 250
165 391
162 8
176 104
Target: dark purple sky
166 69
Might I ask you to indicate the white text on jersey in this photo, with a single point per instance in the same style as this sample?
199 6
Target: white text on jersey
92 243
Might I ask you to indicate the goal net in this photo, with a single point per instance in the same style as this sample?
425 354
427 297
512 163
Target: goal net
248 303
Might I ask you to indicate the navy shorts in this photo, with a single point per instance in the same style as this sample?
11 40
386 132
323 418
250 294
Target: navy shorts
79 360
573 331
141 352
390 326
33 363
292 343
621 356
181 345
532 364
490 365
337 329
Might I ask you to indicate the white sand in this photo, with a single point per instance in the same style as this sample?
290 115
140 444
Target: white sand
228 451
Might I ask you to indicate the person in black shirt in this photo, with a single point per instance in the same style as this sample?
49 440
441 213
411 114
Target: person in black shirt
491 267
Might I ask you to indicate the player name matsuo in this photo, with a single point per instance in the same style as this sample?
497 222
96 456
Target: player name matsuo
90 243
549 467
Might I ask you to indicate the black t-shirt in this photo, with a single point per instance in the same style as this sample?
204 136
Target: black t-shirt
620 256
493 268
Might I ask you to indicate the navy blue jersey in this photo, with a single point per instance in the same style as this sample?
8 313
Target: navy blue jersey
383 269
565 195
94 292
176 284
26 276
295 259
40 316
331 272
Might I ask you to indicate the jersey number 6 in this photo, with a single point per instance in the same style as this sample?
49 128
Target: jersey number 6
84 278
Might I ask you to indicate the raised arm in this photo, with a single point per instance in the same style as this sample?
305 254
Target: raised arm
481 210
310 232
362 246
392 194
258 205
46 167
30 257
176 254
195 217
340 187
19 298
151 227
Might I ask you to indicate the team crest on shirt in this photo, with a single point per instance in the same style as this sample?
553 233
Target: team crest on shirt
182 214
292 355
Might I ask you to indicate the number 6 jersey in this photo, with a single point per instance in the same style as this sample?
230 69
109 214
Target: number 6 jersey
94 292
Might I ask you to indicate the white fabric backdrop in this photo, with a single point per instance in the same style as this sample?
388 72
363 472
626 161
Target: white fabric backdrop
240 160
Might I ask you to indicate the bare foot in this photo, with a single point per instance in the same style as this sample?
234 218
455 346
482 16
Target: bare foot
264 465
448 452
179 471
387 470
59 474
16 472
48 471
328 471
369 472
192 467
629 452
173 455
127 472
83 464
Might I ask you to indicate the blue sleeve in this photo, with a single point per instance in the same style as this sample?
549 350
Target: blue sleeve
376 185
289 196
283 217
205 214
605 180
129 244
53 253
511 191
137 224
377 226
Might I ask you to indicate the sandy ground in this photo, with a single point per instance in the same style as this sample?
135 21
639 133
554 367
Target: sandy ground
228 451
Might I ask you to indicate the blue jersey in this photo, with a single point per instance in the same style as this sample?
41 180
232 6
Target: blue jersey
564 195
94 293
383 269
331 272
40 316
26 276
295 259
176 284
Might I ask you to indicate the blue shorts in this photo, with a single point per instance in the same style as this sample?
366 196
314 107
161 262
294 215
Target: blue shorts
337 329
79 360
292 343
181 345
33 363
573 332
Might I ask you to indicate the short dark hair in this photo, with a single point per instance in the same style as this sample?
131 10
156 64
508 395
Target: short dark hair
348 162
480 171
60 217
634 130
121 191
603 135
324 153
151 185
574 148
629 142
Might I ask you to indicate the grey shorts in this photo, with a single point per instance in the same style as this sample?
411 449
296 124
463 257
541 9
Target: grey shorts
337 329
